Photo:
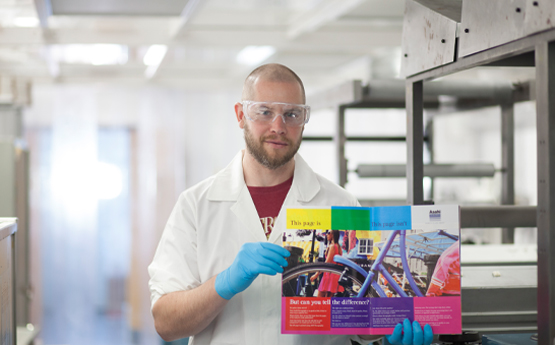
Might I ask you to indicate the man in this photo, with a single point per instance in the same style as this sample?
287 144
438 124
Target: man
214 274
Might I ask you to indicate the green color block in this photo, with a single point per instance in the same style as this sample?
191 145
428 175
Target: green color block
350 218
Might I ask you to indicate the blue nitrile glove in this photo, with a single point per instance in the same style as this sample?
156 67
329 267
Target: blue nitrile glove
408 334
253 259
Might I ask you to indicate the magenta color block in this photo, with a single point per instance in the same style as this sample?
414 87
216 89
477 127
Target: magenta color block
442 313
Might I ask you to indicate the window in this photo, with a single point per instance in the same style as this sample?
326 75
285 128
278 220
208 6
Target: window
365 246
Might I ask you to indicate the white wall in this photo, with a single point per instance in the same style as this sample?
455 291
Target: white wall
204 123
475 137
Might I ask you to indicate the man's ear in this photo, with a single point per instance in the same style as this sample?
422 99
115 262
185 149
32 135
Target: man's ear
240 114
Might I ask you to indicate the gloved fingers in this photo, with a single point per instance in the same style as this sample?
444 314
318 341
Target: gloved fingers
395 337
269 255
241 276
276 249
254 252
267 267
407 332
253 259
418 336
428 334
249 259
260 251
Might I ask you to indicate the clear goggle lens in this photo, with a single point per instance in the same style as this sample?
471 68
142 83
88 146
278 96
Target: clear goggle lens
293 115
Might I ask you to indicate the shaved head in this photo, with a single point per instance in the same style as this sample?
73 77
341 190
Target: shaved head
272 72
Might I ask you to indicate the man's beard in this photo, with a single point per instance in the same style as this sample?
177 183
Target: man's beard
263 157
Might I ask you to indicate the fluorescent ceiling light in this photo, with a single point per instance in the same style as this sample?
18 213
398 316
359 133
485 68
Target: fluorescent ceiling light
94 54
252 55
151 71
155 54
108 54
26 22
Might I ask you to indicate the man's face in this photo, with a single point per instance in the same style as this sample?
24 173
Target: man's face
273 144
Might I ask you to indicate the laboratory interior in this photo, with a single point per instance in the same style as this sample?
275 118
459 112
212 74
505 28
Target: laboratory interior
109 109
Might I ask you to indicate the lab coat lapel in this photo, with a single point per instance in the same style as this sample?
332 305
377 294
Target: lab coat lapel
304 188
229 185
245 210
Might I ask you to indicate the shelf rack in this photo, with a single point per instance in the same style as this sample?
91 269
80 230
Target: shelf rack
391 94
536 50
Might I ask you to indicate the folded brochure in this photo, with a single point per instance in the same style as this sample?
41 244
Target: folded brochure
362 270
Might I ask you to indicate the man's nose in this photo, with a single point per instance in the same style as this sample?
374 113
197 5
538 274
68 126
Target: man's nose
278 124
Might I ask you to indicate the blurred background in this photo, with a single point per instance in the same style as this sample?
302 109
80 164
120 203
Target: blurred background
111 108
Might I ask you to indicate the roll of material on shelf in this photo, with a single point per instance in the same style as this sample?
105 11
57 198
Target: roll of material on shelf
434 170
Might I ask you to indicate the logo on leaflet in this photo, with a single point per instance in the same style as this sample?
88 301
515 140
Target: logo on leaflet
435 215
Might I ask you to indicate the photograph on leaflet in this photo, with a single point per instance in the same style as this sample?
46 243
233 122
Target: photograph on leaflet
361 270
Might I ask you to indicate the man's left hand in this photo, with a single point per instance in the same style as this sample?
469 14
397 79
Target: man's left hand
407 334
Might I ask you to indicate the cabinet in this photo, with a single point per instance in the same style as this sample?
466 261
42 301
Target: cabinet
8 228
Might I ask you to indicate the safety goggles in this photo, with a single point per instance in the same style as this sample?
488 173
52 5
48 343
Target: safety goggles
293 115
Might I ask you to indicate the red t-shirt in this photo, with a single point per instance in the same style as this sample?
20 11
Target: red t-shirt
268 202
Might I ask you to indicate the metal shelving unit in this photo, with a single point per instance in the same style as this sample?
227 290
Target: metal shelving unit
534 49
391 94
468 95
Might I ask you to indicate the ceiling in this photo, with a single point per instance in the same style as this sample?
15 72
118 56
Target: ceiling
325 41
322 40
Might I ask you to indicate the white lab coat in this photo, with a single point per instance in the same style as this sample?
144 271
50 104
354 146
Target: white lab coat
203 235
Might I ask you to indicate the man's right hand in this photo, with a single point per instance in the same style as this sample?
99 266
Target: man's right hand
253 259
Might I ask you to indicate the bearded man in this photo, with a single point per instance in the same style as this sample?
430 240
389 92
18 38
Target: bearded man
214 275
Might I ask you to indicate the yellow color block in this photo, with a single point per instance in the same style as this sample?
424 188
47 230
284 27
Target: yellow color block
364 233
305 218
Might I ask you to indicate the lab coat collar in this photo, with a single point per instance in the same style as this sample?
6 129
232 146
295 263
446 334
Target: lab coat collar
305 182
229 182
